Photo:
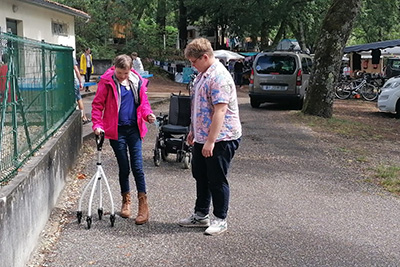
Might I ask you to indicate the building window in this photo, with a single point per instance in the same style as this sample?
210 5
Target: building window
59 28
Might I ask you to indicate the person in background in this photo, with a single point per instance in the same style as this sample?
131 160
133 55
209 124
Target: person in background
86 66
238 71
121 109
3 79
78 87
347 71
215 134
137 63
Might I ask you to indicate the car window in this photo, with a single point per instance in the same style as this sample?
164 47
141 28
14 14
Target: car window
395 64
309 64
275 64
304 66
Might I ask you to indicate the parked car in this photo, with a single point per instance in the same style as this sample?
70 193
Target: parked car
279 77
392 67
388 100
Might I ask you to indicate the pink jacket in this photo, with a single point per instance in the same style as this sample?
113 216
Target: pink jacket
105 106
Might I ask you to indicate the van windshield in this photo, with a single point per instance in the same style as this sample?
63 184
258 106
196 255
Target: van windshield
394 63
275 64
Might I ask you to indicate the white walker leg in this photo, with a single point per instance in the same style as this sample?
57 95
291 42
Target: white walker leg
94 181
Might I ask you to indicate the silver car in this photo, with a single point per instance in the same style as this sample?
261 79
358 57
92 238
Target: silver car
279 77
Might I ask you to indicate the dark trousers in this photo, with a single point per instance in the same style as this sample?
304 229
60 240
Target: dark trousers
211 177
87 76
238 78
129 140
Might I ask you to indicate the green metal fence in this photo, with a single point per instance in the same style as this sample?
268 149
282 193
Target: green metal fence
36 97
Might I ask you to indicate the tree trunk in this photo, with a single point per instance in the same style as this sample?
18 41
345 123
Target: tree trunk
335 31
279 34
161 19
182 25
221 37
264 35
298 30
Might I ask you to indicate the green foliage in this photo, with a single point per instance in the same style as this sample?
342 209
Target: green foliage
149 44
147 21
378 21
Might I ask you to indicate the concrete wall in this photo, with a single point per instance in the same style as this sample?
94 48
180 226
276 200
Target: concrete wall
27 201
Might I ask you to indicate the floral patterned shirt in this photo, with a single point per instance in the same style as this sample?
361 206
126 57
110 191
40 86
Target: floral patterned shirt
214 86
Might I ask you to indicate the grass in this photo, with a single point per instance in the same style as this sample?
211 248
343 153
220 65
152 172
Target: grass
336 125
385 175
388 177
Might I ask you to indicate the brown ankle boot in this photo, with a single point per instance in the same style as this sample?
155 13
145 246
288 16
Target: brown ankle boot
126 205
143 213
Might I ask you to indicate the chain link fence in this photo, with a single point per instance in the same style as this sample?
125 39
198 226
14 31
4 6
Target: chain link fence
36 97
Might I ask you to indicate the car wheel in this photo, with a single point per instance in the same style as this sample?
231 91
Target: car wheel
254 103
397 115
299 104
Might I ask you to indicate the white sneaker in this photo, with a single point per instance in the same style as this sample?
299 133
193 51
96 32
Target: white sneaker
195 221
218 226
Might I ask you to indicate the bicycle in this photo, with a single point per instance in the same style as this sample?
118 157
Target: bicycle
369 91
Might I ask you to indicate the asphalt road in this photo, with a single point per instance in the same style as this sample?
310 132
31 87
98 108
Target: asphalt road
292 204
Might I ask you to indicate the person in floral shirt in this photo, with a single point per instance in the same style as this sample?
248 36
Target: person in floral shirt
215 135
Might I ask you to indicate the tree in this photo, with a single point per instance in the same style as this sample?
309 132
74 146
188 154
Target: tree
182 24
335 31
305 21
378 21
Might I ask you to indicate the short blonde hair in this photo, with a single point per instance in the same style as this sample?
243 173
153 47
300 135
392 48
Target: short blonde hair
123 62
198 47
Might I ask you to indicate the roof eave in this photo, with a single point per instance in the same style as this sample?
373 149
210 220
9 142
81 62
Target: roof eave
58 7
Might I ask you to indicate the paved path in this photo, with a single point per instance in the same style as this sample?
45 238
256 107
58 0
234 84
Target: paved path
292 204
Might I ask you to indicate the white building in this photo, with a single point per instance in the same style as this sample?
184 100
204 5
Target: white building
40 20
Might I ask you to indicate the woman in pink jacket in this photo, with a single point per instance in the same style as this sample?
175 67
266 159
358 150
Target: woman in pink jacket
120 109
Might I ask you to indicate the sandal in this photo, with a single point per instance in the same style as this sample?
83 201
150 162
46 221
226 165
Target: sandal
86 121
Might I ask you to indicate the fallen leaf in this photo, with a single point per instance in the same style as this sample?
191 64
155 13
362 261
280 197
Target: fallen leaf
81 176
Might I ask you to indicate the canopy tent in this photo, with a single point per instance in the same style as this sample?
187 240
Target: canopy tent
372 46
227 55
288 45
248 54
392 51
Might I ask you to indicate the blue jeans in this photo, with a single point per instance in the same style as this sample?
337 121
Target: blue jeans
129 139
211 177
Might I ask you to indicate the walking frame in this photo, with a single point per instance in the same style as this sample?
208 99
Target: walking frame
97 179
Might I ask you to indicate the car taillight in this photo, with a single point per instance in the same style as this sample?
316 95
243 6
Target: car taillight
298 78
252 77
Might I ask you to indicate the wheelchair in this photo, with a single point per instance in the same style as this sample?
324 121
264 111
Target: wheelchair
173 130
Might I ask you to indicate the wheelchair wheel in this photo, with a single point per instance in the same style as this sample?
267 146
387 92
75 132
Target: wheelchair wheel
186 160
164 154
157 157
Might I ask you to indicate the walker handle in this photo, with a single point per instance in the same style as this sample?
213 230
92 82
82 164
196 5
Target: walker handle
100 141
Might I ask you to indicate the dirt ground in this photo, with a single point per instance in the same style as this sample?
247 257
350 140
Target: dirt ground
159 83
